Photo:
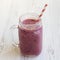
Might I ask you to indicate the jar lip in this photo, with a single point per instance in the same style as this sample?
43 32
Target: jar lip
31 14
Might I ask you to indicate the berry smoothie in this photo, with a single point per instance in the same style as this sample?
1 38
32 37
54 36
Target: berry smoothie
30 39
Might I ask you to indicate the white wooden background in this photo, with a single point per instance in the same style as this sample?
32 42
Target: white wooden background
10 10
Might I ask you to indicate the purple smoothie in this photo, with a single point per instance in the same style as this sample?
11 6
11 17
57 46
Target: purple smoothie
30 40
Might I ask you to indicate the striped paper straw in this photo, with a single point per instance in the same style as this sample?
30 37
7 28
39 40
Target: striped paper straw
43 10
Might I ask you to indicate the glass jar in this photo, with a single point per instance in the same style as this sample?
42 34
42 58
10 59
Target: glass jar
30 34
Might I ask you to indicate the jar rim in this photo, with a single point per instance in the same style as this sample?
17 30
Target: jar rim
33 15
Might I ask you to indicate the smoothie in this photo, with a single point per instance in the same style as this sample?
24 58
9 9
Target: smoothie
30 40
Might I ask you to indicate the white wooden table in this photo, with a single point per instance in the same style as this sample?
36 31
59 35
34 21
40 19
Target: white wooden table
10 10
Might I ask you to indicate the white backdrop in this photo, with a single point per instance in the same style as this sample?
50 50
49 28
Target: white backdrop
10 10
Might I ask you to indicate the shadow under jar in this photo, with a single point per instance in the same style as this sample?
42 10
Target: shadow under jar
30 34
